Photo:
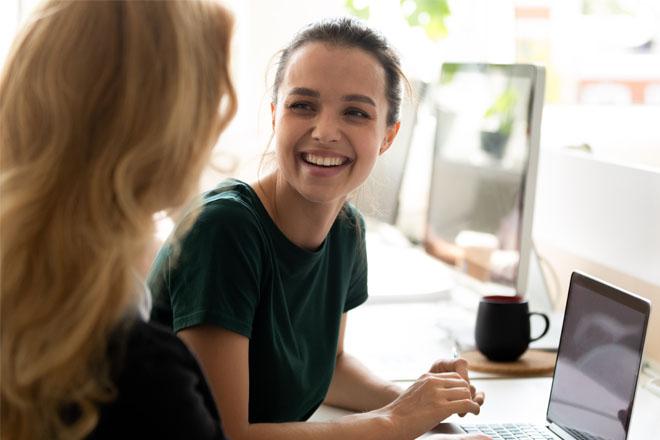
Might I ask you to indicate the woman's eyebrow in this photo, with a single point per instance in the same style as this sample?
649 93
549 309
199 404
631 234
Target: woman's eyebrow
304 91
359 98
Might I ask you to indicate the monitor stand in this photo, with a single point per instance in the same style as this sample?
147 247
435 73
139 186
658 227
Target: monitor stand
540 299
538 293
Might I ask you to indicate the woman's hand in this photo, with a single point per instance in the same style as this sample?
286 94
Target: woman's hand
428 401
459 366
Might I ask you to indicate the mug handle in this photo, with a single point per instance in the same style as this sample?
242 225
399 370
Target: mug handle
547 325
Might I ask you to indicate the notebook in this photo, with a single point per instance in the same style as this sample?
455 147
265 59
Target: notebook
598 364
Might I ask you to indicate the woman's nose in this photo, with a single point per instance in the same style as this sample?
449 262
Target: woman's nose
326 128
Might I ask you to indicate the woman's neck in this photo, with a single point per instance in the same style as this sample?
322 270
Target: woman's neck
304 223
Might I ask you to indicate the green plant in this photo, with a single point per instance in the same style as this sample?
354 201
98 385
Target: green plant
502 110
498 124
429 15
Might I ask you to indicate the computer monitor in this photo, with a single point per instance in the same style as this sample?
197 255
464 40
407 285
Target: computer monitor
378 197
484 169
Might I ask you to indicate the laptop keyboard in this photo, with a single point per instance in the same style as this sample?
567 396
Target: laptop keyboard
511 431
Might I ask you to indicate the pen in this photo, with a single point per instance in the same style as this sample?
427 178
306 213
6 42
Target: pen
454 350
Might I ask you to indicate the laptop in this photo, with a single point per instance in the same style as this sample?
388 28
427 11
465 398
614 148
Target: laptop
598 364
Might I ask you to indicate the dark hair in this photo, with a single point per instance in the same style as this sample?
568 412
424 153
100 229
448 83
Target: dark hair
352 33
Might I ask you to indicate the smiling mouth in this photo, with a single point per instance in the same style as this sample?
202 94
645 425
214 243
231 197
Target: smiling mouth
324 161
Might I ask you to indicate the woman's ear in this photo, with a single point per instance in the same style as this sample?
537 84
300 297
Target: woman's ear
390 134
272 113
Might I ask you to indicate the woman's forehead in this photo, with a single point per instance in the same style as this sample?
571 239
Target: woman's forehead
335 69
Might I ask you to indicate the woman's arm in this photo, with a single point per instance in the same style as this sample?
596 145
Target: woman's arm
224 358
353 386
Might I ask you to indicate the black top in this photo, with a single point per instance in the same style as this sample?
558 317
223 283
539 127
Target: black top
161 390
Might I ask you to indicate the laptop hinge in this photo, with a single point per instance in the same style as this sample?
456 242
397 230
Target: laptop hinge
556 429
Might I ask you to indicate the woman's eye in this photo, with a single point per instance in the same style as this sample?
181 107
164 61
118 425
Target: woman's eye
357 113
301 106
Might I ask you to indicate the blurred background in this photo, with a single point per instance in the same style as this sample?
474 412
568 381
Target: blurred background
602 59
598 192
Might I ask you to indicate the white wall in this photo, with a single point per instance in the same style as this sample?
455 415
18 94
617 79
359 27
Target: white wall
602 211
625 134
602 218
9 17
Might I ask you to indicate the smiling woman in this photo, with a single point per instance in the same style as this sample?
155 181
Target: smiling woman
328 130
261 286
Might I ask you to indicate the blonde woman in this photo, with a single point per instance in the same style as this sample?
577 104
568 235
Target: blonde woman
108 113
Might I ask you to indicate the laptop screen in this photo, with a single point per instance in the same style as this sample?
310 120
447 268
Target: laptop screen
598 360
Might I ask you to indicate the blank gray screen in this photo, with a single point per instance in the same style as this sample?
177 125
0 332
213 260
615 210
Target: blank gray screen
597 365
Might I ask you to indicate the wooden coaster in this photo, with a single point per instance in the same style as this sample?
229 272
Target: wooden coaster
532 363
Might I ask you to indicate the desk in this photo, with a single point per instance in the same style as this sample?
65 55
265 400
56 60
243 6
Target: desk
399 340
525 401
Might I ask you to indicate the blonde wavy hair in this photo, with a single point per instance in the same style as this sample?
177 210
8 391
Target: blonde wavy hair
108 114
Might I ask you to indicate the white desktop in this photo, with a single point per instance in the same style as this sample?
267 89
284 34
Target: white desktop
479 186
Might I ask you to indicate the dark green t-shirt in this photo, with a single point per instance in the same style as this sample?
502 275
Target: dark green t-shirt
237 270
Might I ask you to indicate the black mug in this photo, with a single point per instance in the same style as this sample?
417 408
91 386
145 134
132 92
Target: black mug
502 330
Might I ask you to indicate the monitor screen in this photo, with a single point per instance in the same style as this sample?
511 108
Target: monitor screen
488 117
598 361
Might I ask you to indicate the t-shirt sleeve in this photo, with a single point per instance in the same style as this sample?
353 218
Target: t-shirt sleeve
357 290
216 279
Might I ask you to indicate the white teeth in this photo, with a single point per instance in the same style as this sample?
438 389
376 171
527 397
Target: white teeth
323 161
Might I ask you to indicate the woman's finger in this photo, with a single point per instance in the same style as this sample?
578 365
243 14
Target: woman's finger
462 406
456 394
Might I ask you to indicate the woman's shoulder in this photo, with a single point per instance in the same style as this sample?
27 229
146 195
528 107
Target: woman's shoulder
146 343
232 201
230 194
351 212
161 391
143 333
351 221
